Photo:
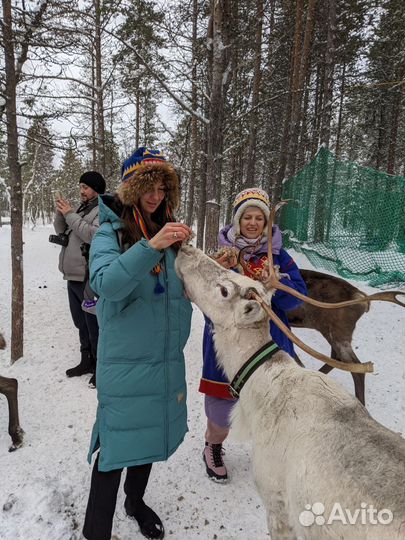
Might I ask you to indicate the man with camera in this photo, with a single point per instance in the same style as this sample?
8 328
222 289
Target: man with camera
75 230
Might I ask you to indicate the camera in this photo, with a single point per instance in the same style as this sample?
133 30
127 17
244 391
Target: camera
61 239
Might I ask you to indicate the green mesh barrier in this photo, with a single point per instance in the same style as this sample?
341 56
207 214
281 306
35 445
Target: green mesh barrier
347 219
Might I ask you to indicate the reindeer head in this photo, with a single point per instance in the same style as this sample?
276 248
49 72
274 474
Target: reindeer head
224 296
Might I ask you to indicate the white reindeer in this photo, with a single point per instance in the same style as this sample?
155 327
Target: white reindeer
313 442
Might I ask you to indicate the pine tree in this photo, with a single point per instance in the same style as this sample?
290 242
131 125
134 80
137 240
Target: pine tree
386 86
112 162
68 175
140 30
38 172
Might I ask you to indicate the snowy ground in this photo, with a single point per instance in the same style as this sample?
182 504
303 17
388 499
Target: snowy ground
44 485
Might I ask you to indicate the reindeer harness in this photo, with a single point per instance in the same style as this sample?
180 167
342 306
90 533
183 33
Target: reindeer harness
249 367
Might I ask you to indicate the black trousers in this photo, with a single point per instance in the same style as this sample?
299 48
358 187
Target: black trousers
86 323
103 497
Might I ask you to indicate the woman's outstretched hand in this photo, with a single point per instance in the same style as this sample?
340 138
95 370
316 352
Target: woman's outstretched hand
226 257
169 234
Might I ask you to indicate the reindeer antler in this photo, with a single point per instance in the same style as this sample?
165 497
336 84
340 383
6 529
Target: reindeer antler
366 367
272 273
388 296
242 261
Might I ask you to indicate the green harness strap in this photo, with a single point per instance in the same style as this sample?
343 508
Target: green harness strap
256 360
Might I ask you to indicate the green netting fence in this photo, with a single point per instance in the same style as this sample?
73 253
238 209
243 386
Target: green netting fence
347 219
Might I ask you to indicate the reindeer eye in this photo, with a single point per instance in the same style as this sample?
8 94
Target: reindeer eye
224 291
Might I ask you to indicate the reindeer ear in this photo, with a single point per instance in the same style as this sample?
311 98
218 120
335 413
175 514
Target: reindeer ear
248 313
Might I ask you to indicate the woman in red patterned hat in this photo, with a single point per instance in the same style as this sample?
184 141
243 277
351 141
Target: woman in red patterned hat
248 231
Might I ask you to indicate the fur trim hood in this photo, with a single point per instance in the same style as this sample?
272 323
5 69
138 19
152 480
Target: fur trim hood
145 178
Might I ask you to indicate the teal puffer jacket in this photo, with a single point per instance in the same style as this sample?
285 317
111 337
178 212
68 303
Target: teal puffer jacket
141 387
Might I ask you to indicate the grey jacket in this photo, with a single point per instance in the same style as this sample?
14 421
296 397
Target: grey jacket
71 261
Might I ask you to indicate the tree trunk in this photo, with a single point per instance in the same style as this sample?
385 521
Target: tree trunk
270 138
396 111
137 119
318 107
330 54
17 299
296 59
234 181
215 127
202 196
93 115
340 115
296 115
194 127
320 206
290 101
381 136
99 90
251 157
304 142
201 216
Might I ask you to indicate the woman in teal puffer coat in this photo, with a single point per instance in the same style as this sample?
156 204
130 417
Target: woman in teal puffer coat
144 320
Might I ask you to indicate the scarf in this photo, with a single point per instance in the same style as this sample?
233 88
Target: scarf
256 256
227 237
156 270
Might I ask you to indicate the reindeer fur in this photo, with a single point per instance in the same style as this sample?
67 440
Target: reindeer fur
337 325
312 441
9 388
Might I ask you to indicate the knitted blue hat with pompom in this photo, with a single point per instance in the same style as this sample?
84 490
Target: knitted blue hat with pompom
141 156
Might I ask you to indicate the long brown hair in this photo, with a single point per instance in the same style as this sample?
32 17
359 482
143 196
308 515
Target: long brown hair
131 232
128 195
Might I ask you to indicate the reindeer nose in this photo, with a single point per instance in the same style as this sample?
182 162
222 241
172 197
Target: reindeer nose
187 250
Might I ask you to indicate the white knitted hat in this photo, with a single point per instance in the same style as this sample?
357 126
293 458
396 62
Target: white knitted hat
249 197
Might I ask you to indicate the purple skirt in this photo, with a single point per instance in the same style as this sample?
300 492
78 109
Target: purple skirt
219 410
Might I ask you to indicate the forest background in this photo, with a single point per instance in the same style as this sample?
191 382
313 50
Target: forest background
236 92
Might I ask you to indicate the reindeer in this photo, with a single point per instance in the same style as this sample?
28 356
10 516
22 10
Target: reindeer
336 326
313 442
9 388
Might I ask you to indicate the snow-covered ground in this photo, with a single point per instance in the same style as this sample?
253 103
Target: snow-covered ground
44 485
